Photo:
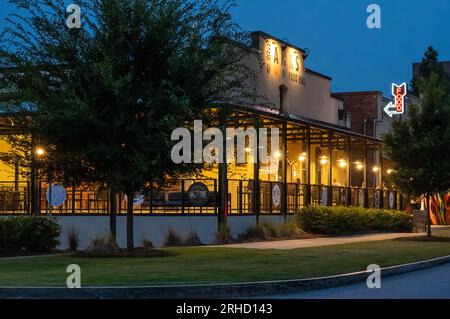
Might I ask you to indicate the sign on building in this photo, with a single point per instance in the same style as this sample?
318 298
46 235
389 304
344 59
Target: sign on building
399 92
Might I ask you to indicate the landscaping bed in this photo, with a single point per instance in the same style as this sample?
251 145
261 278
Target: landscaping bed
439 239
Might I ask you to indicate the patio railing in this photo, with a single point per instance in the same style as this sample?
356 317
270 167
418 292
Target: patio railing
174 198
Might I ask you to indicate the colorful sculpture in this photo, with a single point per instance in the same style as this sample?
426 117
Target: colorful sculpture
440 209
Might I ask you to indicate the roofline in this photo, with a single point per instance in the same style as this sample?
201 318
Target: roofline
298 120
265 34
358 93
319 74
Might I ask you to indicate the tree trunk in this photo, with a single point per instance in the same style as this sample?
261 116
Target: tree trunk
113 212
428 199
130 232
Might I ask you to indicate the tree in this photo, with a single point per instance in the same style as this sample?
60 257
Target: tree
429 65
420 146
106 97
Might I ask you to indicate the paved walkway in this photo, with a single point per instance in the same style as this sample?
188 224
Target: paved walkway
322 241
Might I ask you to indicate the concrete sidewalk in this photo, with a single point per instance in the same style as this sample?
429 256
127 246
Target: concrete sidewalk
322 241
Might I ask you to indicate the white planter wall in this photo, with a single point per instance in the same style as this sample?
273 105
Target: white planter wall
153 228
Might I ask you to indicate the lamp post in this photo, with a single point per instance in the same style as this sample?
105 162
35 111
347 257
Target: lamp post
38 153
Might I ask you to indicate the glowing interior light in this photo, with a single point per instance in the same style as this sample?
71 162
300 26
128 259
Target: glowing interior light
248 149
359 166
278 155
390 171
40 151
323 160
342 163
294 62
375 169
302 157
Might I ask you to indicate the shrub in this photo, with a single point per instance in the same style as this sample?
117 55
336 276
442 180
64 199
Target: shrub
146 243
254 232
341 220
103 245
39 234
173 239
290 230
193 239
9 236
266 230
270 230
73 238
29 234
223 235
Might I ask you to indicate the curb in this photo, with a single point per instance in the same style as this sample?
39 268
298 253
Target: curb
212 291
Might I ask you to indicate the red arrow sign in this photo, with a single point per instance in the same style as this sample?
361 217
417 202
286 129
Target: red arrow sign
399 92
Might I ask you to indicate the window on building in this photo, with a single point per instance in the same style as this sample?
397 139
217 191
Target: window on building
283 98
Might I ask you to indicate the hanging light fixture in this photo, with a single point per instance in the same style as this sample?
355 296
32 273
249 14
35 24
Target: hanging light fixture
342 163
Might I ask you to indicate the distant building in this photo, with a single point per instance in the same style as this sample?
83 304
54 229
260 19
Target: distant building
365 111
445 66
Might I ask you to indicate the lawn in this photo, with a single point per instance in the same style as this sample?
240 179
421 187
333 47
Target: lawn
218 265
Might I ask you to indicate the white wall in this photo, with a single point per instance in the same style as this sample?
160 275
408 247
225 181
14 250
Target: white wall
153 228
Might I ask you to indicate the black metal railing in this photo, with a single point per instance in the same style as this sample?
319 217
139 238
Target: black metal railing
173 198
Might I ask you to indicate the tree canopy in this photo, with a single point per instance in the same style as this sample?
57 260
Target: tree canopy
103 99
429 65
420 145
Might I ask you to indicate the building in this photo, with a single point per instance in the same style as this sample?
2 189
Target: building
321 162
445 66
366 111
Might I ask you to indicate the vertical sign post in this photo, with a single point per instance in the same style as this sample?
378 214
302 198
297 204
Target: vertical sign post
399 92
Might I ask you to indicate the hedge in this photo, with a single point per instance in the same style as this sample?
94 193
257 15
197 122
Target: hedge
344 220
28 234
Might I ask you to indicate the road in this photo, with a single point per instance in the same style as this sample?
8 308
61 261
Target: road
432 283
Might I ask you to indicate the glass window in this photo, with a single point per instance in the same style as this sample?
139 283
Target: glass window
357 163
340 160
320 157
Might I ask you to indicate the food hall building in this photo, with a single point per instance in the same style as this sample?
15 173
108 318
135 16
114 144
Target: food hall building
320 162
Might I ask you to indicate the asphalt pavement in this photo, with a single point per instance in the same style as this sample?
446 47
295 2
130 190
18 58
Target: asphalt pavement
431 283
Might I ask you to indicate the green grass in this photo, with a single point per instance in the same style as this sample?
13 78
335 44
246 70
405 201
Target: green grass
218 265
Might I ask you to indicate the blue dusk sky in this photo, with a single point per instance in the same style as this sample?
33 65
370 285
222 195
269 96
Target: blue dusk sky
342 47
341 44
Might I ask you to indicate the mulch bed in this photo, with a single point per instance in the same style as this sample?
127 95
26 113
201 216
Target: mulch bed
427 239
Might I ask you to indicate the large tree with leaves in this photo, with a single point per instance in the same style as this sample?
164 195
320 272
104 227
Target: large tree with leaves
105 98
420 145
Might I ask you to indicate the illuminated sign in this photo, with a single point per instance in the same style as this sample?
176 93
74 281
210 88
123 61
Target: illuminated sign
399 92
283 61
